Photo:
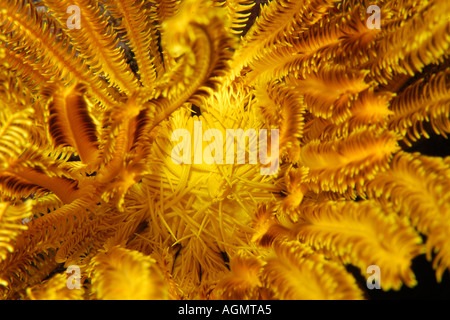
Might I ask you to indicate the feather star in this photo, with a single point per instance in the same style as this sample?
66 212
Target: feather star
91 93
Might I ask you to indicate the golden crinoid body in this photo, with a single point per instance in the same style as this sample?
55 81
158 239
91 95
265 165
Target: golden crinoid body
116 180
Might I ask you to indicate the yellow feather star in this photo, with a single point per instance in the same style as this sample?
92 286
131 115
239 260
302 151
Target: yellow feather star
94 178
